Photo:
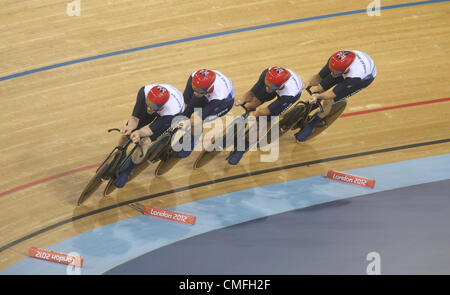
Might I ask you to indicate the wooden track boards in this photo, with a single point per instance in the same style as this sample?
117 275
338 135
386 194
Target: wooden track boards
54 121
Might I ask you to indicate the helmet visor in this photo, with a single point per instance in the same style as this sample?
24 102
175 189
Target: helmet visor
200 90
155 107
336 72
271 85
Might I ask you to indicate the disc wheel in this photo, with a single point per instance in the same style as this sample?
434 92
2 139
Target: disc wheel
336 110
167 162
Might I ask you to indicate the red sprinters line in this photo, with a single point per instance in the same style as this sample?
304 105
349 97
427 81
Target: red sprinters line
39 181
96 165
395 107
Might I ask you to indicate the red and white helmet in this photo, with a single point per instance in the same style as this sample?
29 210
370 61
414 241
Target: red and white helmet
157 97
203 81
276 77
341 61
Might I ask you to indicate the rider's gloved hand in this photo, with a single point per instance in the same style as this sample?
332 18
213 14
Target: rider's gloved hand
135 137
126 130
313 98
183 125
238 102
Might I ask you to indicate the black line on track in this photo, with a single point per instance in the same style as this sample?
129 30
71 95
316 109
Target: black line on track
391 149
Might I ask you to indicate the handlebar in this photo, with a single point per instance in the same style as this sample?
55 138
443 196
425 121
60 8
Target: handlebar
247 111
308 89
137 145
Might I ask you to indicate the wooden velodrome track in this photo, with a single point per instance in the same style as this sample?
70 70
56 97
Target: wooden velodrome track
54 121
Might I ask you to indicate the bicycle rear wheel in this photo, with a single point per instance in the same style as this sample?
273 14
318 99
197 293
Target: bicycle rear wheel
167 162
336 110
291 119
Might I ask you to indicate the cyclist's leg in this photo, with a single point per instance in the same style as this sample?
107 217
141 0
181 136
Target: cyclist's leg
306 132
276 108
210 112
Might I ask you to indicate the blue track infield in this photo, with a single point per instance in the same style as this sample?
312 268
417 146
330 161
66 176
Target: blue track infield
405 226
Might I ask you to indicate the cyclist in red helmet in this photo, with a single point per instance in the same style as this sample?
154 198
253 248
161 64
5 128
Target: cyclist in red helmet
208 95
345 73
156 105
274 82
